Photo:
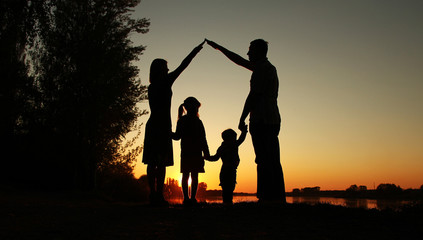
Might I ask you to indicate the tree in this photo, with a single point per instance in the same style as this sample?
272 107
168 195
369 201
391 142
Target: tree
352 188
296 191
311 189
17 90
172 190
201 190
388 188
15 27
89 87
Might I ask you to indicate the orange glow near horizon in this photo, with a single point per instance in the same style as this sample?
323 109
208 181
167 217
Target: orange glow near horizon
332 160
341 172
180 180
331 165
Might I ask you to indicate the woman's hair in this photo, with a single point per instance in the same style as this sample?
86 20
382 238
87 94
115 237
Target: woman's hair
157 69
190 104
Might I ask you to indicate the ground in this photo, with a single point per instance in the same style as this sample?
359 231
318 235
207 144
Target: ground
82 216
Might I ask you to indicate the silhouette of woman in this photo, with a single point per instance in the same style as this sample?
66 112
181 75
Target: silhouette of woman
158 151
190 130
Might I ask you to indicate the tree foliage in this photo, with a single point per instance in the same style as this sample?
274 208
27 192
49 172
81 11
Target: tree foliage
388 188
16 28
86 86
17 91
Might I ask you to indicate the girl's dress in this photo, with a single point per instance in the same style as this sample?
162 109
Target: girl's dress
158 148
190 130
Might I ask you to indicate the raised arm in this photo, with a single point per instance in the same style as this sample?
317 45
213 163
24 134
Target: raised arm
231 55
245 111
184 64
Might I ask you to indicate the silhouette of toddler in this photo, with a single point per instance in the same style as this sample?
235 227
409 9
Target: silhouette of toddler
228 151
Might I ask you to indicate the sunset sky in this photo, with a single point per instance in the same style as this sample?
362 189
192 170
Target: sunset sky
350 76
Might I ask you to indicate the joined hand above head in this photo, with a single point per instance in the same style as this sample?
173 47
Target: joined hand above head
200 46
211 43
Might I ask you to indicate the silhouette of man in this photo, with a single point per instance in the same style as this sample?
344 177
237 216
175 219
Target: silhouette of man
261 104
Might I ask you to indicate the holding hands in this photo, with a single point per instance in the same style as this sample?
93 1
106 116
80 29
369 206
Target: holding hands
243 127
212 44
200 46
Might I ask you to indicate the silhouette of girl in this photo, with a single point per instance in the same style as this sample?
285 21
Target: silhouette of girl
158 151
190 130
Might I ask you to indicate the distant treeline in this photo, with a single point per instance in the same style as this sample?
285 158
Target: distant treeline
218 193
383 191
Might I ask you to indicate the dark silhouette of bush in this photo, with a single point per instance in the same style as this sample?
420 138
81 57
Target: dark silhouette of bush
388 188
202 190
121 186
311 190
172 190
352 188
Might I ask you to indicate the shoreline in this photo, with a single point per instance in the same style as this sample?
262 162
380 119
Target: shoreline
38 215
410 194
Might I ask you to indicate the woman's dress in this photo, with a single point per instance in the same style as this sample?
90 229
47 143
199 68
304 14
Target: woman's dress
158 148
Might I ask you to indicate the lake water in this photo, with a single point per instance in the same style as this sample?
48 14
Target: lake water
355 203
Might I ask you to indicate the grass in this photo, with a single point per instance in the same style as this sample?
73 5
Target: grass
35 215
